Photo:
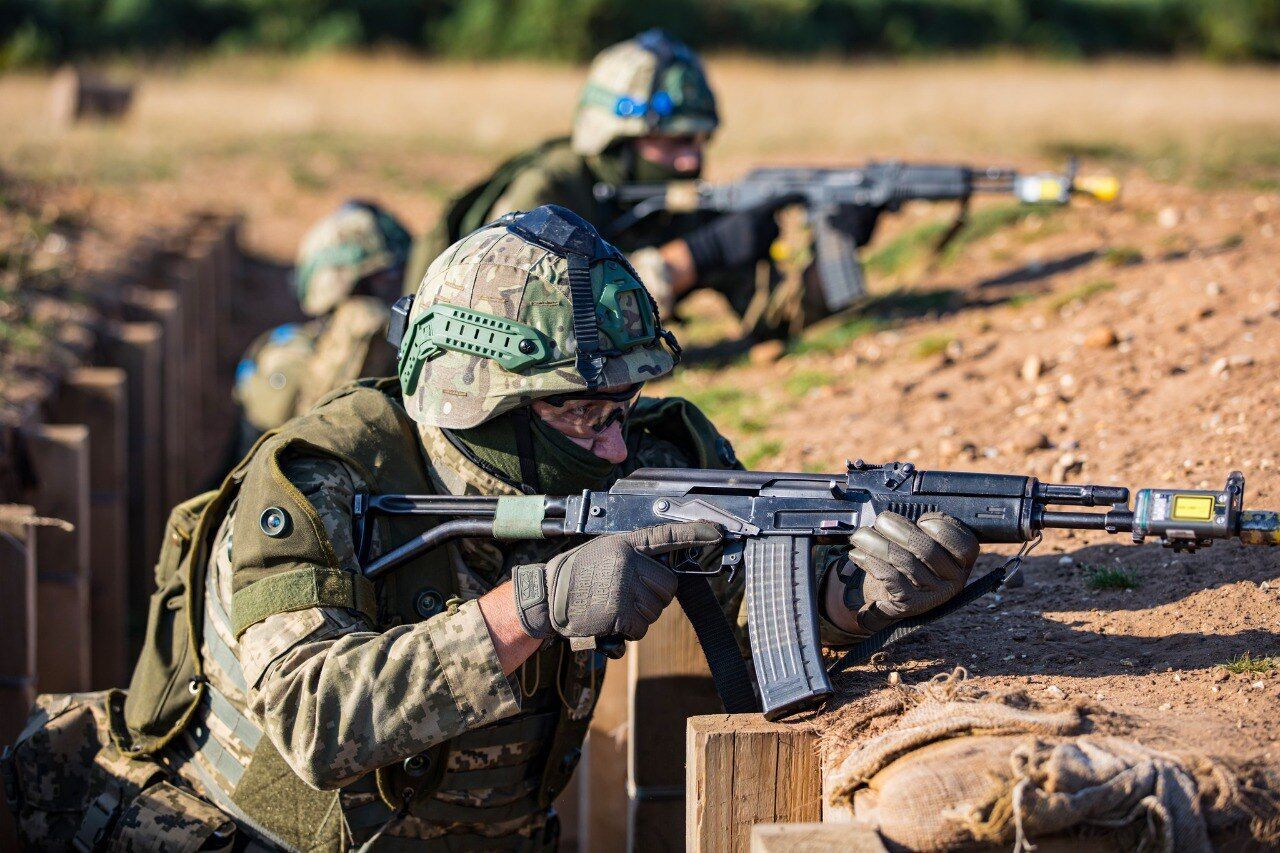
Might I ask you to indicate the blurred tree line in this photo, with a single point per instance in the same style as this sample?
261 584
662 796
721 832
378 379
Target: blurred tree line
51 31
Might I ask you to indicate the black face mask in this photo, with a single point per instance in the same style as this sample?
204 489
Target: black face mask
563 467
647 172
620 164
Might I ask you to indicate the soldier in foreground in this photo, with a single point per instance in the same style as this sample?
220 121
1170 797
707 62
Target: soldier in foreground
645 115
284 698
348 272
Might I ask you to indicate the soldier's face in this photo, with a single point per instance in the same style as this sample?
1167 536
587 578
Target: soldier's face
595 425
680 154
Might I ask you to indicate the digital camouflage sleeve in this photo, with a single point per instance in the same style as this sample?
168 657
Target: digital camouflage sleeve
339 699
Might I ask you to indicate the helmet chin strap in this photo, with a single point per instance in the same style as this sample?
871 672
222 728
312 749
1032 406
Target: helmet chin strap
522 423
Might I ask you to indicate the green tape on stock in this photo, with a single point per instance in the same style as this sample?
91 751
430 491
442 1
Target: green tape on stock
519 517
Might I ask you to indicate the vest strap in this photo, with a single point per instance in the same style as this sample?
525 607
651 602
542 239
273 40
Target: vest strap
301 589
526 727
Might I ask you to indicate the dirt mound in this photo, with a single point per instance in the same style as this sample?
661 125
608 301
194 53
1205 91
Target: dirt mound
1135 348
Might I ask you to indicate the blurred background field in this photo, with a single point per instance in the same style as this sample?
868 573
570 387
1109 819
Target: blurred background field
41 31
283 139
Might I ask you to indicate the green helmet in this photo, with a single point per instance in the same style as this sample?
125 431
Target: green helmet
651 84
531 306
357 240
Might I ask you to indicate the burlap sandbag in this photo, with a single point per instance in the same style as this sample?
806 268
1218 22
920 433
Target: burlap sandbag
956 772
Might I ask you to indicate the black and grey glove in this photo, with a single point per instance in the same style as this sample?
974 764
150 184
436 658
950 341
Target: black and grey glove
611 586
898 568
733 240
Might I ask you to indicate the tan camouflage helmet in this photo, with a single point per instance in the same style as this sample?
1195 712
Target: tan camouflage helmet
651 84
356 241
531 306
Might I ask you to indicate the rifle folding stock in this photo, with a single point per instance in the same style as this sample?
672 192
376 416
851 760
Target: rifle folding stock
772 520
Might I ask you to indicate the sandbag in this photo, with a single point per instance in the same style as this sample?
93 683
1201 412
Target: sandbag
960 771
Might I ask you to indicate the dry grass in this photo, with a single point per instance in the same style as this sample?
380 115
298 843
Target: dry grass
283 140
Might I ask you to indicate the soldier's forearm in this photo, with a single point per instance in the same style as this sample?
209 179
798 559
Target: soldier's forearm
339 708
680 267
510 640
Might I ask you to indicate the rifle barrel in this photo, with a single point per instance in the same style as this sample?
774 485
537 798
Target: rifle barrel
1116 521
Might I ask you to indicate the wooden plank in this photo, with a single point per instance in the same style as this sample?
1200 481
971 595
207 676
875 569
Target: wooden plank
743 770
164 307
709 762
815 838
18 616
98 398
60 458
137 348
667 682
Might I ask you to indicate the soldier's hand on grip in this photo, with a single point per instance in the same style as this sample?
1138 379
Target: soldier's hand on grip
610 586
907 568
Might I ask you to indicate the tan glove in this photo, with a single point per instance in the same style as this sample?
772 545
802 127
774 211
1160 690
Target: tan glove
897 568
611 586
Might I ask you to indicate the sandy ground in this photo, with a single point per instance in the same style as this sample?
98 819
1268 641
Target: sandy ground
1133 345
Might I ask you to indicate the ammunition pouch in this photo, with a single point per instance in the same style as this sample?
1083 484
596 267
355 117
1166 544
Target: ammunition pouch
70 788
168 679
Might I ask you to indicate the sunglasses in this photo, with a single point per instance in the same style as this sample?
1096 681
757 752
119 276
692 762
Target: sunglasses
588 415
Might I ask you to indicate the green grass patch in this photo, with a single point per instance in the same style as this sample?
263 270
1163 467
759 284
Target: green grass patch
1099 578
1018 300
1083 293
800 383
1091 151
931 345
906 249
986 221
1247 663
306 178
828 338
1122 256
916 247
730 408
759 451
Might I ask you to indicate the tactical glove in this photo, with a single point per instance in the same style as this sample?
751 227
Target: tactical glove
734 240
611 586
904 569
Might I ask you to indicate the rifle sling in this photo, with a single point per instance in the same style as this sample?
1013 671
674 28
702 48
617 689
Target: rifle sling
906 627
728 669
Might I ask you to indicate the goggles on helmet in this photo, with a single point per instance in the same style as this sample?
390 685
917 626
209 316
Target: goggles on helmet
679 84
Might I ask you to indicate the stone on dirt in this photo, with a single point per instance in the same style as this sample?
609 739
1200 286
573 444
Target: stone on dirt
1103 337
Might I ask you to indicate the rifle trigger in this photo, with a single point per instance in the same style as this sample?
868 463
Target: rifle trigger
700 510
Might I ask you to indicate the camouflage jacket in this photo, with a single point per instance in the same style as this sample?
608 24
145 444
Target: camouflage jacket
286 370
339 692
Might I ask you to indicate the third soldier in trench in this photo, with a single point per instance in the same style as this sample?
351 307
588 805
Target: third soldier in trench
645 115
441 707
347 275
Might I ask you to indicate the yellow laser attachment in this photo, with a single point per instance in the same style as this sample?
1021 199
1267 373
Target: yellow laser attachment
1192 508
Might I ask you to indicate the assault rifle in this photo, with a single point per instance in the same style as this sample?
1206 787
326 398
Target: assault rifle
844 204
771 520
